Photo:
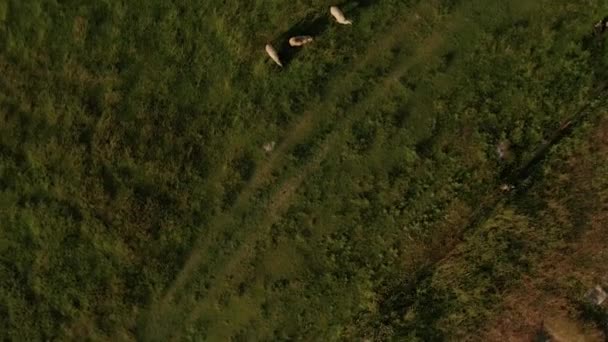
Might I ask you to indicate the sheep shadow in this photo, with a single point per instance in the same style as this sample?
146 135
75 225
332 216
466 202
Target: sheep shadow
314 24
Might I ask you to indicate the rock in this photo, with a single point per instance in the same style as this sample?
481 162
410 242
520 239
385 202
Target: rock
596 295
502 149
269 146
602 25
507 187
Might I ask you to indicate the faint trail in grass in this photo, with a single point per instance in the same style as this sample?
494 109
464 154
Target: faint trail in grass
275 209
300 129
282 197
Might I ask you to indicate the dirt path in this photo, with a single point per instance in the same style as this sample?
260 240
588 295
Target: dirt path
492 201
531 305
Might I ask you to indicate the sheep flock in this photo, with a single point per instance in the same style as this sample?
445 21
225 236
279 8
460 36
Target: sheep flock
298 41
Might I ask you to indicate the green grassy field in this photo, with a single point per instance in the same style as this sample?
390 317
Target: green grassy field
137 202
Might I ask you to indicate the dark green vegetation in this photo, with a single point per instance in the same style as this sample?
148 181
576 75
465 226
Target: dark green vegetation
136 200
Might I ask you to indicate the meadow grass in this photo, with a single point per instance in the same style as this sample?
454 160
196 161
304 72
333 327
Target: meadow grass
137 201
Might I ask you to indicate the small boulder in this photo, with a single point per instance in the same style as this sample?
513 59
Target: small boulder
507 187
269 146
503 150
602 25
596 295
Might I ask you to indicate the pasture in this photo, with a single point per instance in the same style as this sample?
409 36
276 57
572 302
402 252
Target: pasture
137 200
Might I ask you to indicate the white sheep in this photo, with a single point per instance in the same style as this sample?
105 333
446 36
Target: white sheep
300 40
340 18
273 54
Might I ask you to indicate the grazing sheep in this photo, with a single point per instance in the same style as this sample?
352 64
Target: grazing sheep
273 54
300 40
340 18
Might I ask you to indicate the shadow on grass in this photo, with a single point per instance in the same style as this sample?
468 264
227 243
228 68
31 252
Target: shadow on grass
313 25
